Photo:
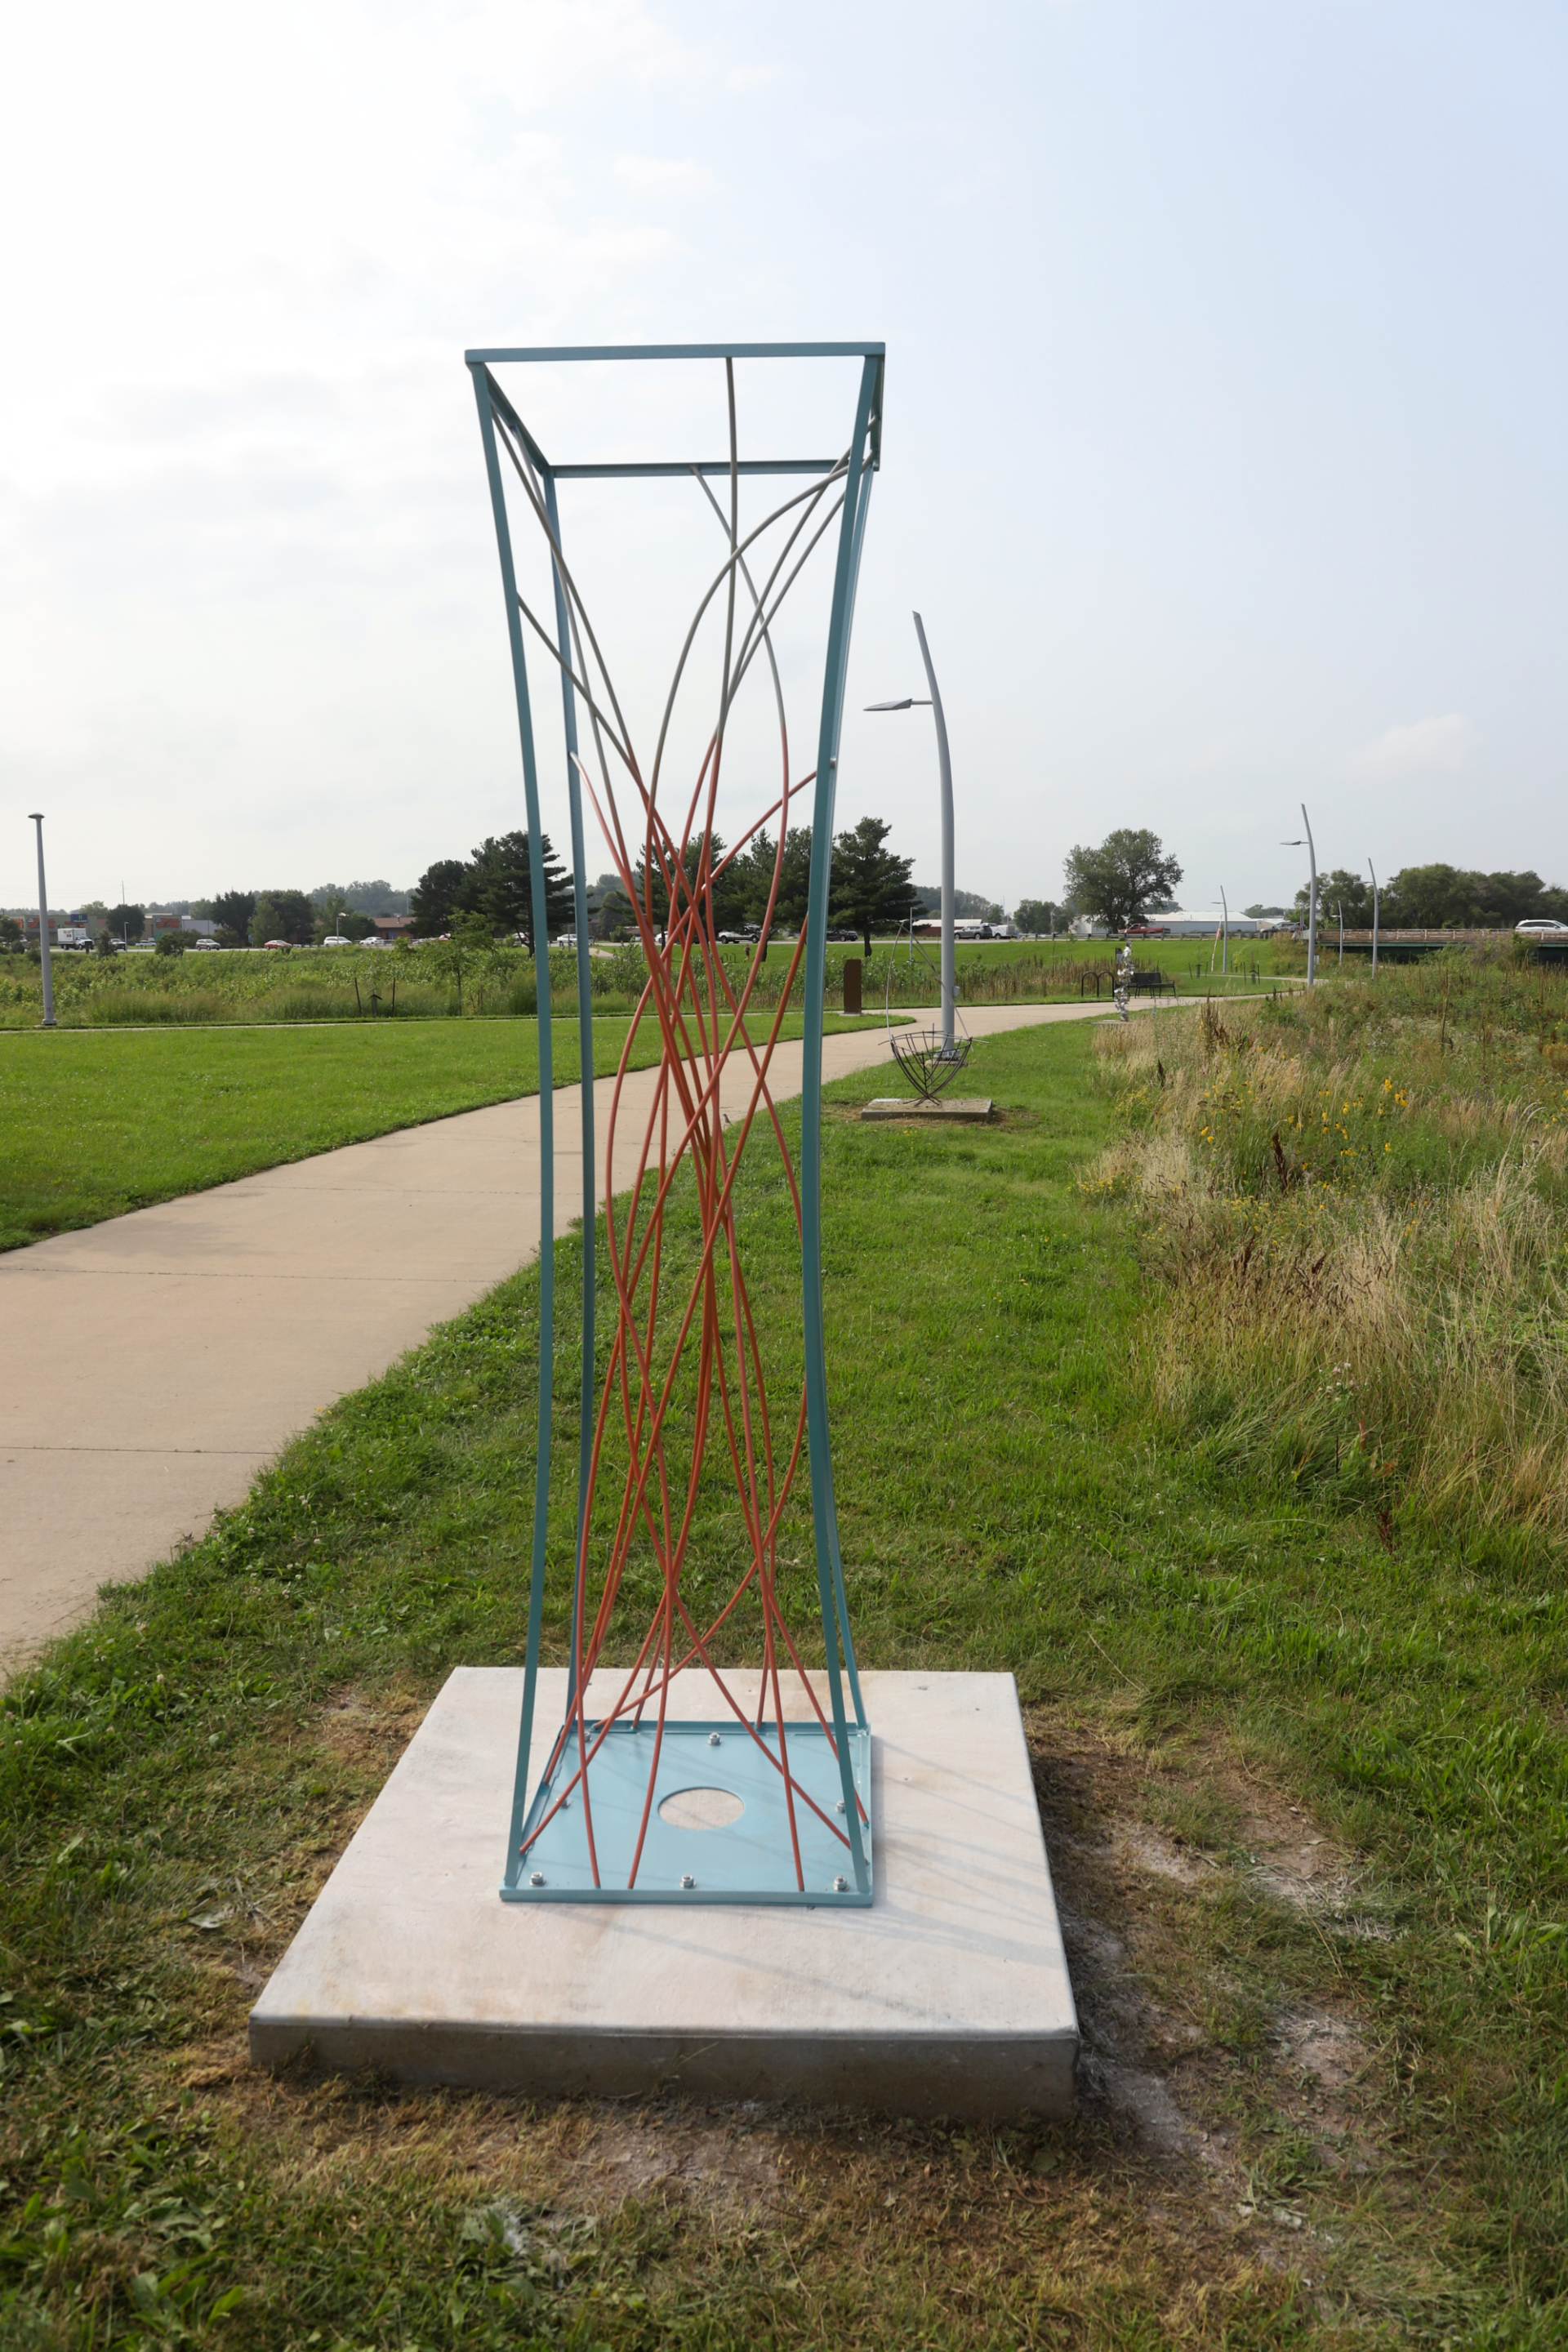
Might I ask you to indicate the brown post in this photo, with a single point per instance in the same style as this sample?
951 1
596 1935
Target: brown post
853 969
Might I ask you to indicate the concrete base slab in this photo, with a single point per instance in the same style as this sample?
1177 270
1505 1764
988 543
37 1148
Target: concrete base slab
949 1996
959 1108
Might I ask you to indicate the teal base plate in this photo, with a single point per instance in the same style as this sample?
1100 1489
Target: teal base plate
748 1859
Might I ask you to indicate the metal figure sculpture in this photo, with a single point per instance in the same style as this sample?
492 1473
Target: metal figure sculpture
1121 981
624 1808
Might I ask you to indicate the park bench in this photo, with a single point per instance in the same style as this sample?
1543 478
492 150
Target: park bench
1144 984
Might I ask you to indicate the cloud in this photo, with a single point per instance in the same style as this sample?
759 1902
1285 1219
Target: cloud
1428 746
660 175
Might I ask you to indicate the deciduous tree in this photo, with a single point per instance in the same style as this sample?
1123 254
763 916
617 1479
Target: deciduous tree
231 911
282 915
1128 876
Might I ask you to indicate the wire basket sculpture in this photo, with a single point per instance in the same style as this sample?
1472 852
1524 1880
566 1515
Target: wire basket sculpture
767 1798
926 1061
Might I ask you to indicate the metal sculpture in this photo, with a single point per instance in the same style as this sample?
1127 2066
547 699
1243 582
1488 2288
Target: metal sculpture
627 1805
929 1060
1121 979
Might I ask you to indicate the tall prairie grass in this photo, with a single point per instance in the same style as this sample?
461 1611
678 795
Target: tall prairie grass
1355 1209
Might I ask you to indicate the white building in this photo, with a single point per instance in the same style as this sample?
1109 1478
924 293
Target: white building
1182 923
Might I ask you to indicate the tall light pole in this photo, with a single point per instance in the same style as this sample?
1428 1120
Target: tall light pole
1372 872
1340 911
36 817
1225 950
949 971
1312 895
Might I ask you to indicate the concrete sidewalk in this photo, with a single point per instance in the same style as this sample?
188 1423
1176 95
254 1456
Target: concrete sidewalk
157 1362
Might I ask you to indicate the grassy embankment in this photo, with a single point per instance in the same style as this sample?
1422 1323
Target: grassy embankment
1307 1795
441 982
90 1126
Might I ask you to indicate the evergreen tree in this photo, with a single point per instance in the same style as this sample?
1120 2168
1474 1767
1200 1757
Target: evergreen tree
434 898
495 888
724 903
497 885
870 888
753 870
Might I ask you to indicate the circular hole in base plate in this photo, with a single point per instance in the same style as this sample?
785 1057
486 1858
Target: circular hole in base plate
700 1808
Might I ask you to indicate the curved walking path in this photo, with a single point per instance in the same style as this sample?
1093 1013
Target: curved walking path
155 1362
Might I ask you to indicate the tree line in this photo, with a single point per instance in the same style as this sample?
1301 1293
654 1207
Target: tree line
1436 899
490 894
1130 877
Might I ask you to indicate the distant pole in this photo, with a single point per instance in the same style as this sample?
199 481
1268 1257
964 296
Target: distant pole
1340 911
36 817
1370 869
1225 951
1312 901
949 964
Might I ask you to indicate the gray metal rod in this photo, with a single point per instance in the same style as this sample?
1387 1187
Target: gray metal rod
949 971
1311 902
37 818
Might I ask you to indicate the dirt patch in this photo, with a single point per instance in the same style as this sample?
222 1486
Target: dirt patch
1186 2058
368 1733
1294 1863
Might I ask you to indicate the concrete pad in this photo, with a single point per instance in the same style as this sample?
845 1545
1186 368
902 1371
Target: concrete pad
948 1995
960 1110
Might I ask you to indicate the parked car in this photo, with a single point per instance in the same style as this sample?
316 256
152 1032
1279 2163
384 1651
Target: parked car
1540 927
1145 932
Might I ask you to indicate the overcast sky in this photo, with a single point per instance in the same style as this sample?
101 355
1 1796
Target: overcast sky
1224 451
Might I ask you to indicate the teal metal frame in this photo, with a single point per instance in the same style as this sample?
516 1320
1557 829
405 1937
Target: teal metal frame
731 1869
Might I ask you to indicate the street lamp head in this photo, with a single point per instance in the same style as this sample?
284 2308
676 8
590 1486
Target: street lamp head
35 816
909 703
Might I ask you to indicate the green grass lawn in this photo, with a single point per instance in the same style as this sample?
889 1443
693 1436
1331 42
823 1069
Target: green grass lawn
92 1124
1306 1798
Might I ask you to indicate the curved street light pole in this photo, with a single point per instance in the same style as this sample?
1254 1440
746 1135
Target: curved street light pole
949 972
1225 951
948 959
1370 869
36 817
1311 896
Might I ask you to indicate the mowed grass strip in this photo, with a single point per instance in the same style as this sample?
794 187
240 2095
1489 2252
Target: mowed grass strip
94 1125
1310 1903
